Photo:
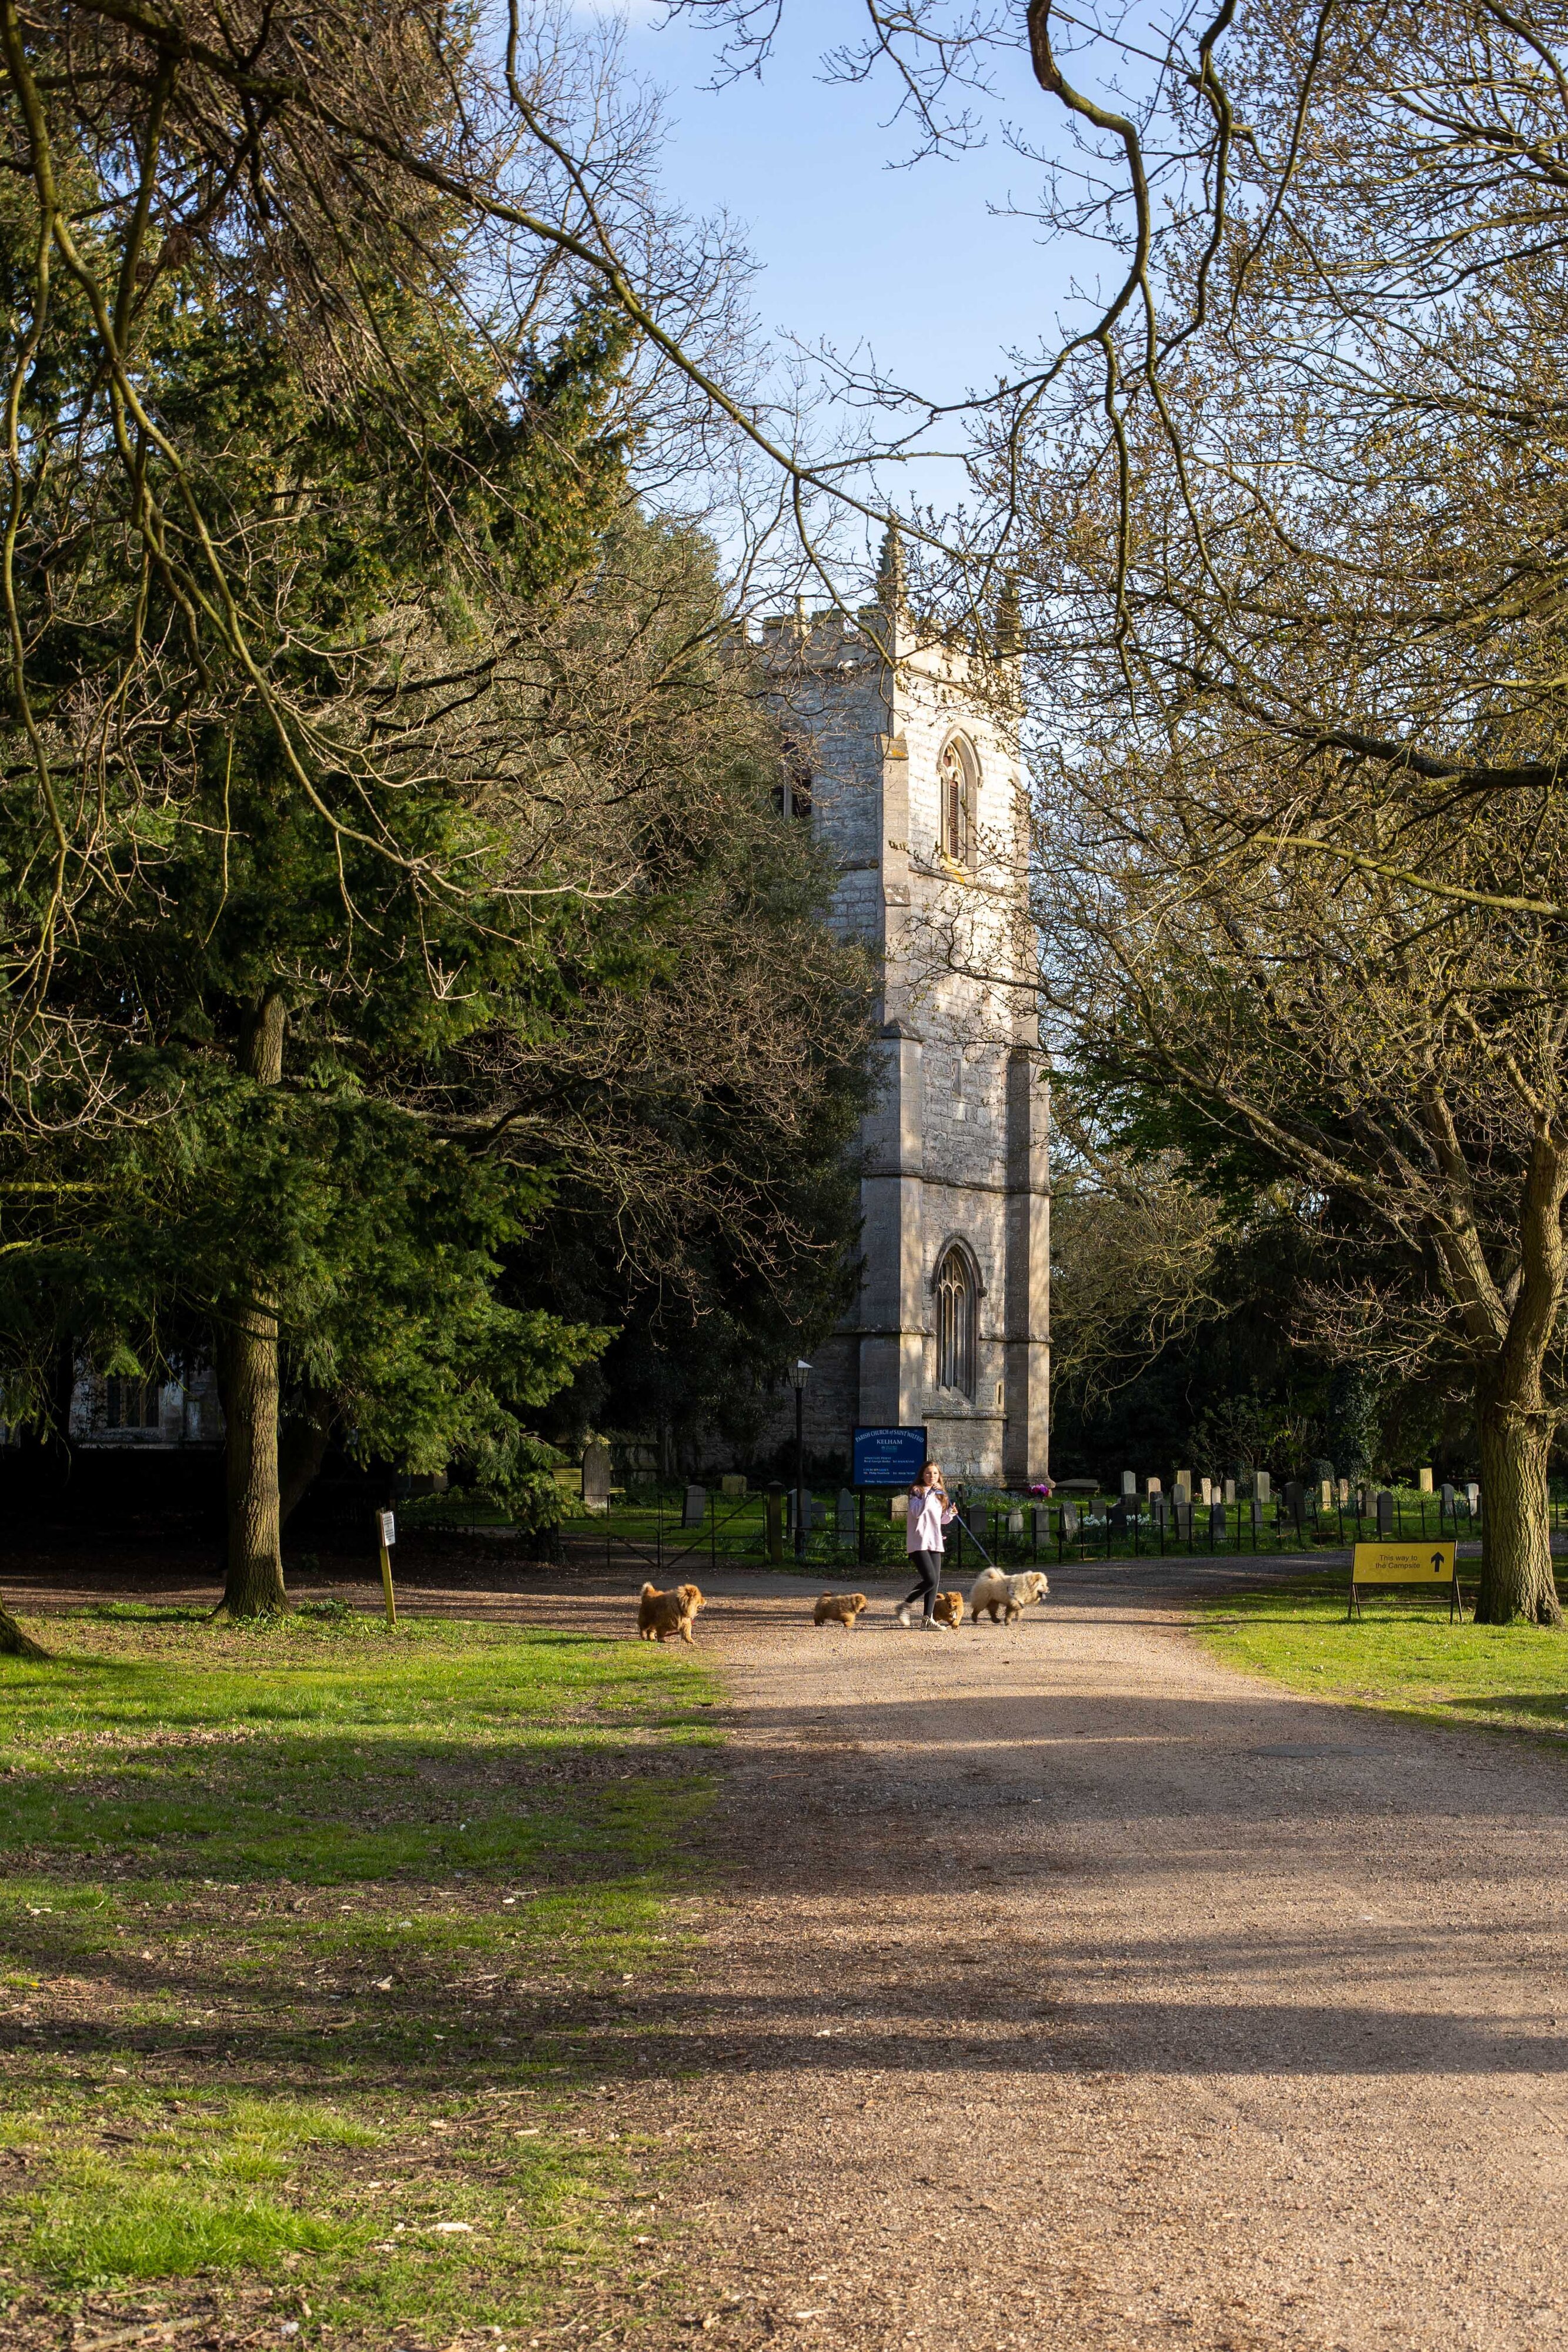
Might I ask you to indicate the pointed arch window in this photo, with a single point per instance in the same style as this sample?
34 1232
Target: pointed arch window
956 1302
958 775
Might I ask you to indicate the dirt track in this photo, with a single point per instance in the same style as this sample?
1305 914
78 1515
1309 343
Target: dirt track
1082 1993
1062 1988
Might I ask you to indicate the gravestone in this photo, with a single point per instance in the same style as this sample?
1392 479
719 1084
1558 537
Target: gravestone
1423 1482
693 1507
733 1484
1216 1528
1129 1482
1206 1491
1152 1487
1159 1511
1344 1493
1042 1517
1182 1507
1257 1515
1363 1503
1184 1486
1473 1497
1446 1499
1295 1500
1325 1494
1118 1514
1070 1522
1260 1486
849 1520
596 1475
1386 1513
1231 1490
809 1504
1015 1520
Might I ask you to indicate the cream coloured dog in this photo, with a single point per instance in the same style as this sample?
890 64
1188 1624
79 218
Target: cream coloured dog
994 1590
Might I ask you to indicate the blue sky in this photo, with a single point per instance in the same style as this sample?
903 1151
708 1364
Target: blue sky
907 262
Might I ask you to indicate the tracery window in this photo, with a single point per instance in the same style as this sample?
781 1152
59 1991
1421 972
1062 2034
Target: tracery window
130 1405
956 1302
958 777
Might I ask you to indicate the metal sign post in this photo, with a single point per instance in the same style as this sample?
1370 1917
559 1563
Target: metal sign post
386 1530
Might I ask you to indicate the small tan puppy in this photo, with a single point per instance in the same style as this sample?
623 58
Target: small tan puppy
948 1609
839 1609
663 1613
1008 1595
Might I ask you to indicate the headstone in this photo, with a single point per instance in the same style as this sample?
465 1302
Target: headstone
1295 1500
1325 1494
1118 1513
1386 1513
1184 1486
1217 1529
596 1474
1261 1485
1343 1492
1183 1518
1231 1490
693 1507
1257 1515
1206 1491
1473 1497
1446 1497
811 1508
1129 1482
1042 1516
733 1483
1153 1488
1070 1522
1365 1504
1015 1520
848 1519
1159 1509
1423 1482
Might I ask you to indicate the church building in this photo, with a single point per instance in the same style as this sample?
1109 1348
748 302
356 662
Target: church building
912 767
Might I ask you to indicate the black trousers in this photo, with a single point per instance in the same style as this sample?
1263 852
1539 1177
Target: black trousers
927 1566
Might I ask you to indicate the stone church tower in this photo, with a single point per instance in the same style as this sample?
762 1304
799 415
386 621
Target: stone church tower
915 786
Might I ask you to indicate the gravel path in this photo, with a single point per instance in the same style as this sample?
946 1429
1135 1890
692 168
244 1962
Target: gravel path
1068 1989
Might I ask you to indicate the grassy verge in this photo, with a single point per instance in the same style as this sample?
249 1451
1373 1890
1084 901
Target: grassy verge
1400 1656
314 1941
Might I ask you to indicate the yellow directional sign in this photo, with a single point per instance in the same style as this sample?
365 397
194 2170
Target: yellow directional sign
1403 1563
1431 1563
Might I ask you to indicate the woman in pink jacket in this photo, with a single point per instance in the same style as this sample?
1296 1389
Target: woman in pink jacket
929 1513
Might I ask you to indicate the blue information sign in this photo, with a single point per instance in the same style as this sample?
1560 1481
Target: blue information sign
888 1458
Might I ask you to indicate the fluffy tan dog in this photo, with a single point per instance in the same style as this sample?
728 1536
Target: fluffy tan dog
839 1609
948 1609
663 1613
1008 1596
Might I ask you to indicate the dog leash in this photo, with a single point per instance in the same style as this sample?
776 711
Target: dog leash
975 1539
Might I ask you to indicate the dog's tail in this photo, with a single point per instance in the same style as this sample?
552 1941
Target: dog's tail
650 1591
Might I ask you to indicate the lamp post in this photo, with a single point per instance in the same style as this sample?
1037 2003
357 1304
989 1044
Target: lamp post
797 1373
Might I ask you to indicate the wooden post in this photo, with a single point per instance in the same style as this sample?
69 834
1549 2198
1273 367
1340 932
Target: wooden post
386 1529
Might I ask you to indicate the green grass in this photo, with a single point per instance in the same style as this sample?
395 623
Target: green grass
1400 1656
312 1939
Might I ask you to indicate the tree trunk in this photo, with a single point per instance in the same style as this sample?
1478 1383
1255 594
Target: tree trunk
13 1642
253 1581
302 1449
1516 1522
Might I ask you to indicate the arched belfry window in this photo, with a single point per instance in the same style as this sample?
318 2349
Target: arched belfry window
958 774
958 1301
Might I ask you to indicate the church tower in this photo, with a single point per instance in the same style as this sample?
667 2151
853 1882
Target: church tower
917 790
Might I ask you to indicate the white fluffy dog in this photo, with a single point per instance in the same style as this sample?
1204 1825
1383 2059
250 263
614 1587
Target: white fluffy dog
996 1592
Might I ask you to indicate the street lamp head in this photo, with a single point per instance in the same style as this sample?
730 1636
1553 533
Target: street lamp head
798 1371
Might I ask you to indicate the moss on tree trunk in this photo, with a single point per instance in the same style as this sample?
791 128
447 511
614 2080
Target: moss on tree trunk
1517 1580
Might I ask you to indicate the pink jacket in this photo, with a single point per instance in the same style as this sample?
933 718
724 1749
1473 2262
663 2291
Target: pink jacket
929 1512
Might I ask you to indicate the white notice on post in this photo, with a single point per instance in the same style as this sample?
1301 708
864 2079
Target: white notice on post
389 1527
